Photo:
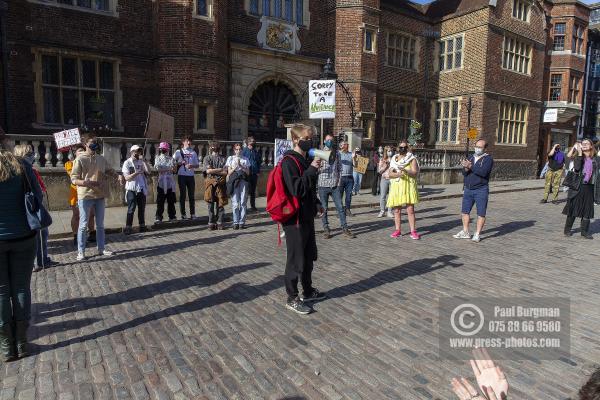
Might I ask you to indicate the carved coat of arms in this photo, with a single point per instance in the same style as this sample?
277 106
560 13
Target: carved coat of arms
277 35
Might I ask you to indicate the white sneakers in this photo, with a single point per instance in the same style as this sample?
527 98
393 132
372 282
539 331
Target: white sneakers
390 214
81 254
466 235
381 214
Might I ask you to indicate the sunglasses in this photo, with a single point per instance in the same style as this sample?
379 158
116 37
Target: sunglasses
402 147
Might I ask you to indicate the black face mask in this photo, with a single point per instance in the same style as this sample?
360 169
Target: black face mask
305 145
402 150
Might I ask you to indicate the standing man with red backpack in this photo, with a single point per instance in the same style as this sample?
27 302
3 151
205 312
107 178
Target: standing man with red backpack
299 179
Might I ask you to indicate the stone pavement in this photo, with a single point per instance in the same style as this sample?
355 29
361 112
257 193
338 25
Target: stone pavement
193 314
115 216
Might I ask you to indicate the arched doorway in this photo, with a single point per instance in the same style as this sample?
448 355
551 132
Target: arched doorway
271 106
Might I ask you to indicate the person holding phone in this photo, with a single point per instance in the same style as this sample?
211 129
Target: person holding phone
556 163
135 170
356 176
580 202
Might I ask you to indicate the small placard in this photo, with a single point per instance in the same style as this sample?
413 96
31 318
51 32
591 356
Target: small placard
362 164
65 139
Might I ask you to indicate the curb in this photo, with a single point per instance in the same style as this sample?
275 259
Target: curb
203 221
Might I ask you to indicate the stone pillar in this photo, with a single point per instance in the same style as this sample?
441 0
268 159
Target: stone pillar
112 153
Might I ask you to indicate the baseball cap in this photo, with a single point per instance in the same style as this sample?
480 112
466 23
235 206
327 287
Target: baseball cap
135 147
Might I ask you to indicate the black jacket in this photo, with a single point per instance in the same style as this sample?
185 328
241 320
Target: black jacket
235 179
578 167
303 186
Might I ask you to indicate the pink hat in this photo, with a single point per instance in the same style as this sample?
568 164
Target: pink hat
164 146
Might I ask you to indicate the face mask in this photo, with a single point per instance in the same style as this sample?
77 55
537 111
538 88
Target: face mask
328 144
390 153
305 145
402 150
93 146
380 151
478 151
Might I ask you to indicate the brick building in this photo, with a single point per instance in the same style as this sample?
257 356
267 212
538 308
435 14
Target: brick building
228 68
564 80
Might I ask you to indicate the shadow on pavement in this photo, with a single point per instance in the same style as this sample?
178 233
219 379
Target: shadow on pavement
202 279
507 228
237 293
401 272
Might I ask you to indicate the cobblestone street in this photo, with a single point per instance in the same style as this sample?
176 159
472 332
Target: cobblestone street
188 313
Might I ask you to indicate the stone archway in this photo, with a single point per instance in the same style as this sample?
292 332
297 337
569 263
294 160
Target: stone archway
271 106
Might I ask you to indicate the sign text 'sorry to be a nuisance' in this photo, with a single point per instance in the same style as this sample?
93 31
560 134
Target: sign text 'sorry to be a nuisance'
321 99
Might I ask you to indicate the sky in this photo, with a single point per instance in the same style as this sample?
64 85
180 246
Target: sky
429 1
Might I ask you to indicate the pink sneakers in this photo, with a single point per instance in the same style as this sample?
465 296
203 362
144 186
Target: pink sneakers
414 235
396 234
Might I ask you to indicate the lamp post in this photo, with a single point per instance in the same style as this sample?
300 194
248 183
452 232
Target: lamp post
327 74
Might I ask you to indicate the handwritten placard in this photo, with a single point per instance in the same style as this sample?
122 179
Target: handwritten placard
281 146
68 138
321 99
361 164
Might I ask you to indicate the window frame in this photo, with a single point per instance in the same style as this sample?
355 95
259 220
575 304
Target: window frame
112 7
523 124
559 35
555 87
210 117
574 88
400 119
39 85
414 52
439 121
577 39
445 54
516 55
522 4
209 10
373 30
295 12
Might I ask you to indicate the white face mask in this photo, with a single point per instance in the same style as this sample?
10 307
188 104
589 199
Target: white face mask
390 153
478 151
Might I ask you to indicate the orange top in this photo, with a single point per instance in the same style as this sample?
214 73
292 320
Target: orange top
73 188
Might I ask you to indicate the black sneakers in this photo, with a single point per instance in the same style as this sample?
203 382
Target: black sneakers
326 233
314 296
348 233
298 306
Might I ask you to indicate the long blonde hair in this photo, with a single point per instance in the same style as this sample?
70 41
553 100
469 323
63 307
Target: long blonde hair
385 152
21 150
9 165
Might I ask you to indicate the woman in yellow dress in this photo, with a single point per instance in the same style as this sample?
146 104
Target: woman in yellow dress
403 173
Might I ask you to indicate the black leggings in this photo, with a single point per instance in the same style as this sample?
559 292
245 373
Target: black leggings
301 254
136 199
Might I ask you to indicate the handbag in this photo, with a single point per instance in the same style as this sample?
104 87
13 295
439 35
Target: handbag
572 180
37 215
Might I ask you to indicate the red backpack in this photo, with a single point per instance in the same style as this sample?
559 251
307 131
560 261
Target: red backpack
281 205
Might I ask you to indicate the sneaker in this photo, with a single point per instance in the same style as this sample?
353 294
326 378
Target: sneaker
314 296
158 221
462 235
37 268
326 233
127 230
390 214
298 306
414 235
555 202
172 219
253 209
381 214
396 234
80 256
212 227
543 201
50 263
221 227
184 216
348 233
143 229
476 238
193 216
105 252
236 227
349 213
242 226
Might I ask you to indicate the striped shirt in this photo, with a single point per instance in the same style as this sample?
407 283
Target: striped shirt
329 175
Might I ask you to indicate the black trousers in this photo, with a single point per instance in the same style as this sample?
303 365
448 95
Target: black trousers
252 181
161 196
376 182
186 184
136 199
301 254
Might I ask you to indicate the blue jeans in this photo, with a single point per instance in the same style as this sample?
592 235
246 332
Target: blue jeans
84 214
41 257
324 193
239 202
16 265
357 181
384 190
346 185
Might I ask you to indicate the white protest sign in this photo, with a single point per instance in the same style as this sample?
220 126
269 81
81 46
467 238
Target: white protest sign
66 139
281 146
321 99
